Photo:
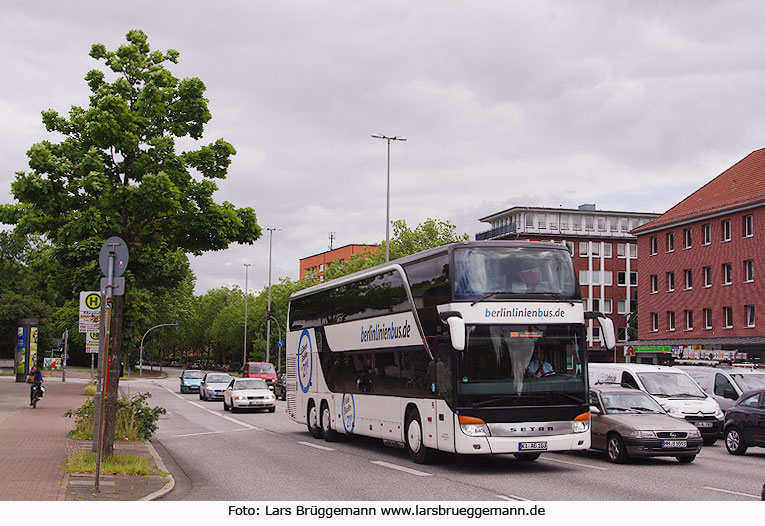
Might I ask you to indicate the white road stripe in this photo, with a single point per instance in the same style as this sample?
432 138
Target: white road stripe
732 492
573 463
511 497
197 434
401 468
230 419
317 446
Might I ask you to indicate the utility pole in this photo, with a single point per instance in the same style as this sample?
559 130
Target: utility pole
246 291
387 200
331 239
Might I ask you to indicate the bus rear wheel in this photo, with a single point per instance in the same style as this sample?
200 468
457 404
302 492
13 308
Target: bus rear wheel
313 420
330 435
413 439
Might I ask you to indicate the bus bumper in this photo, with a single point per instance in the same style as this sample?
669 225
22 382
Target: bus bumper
466 445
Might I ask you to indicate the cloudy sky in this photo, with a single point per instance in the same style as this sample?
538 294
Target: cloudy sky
629 105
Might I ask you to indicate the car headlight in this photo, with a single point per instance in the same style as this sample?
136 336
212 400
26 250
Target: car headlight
474 427
240 398
643 434
271 397
719 415
672 410
694 433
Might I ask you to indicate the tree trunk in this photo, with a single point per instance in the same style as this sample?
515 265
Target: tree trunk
115 351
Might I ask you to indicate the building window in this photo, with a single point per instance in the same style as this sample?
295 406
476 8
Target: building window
608 306
749 270
633 250
595 333
670 281
621 306
570 247
748 226
607 247
707 318
687 239
749 315
707 233
608 278
604 306
654 245
654 283
584 249
670 320
727 317
596 249
621 333
654 322
727 270
726 230
621 277
620 253
689 320
707 276
688 279
671 242
584 277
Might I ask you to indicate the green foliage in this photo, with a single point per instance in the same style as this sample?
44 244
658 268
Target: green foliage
136 420
116 464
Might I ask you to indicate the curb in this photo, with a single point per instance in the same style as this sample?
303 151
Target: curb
161 465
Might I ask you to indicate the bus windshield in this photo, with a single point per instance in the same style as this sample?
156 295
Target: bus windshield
479 271
528 365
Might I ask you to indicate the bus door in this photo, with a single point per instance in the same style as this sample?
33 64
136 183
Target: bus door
444 391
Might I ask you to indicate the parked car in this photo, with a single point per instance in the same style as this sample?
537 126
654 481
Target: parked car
190 380
263 370
745 423
233 367
213 385
627 422
726 384
280 387
673 388
248 393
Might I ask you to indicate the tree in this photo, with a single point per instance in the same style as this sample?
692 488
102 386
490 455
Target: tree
117 172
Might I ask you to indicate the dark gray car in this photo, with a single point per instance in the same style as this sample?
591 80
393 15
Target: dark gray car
628 423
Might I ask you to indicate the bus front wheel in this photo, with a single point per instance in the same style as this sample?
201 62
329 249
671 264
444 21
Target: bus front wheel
313 420
414 441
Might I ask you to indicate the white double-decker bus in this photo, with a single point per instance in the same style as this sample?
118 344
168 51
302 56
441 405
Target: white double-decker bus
469 348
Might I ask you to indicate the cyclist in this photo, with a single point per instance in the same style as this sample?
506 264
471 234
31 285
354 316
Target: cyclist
35 377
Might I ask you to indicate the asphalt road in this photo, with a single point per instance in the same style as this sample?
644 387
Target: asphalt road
216 455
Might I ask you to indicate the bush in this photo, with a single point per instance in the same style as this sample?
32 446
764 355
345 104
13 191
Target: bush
136 420
90 389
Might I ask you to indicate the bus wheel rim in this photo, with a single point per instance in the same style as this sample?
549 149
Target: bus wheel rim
415 436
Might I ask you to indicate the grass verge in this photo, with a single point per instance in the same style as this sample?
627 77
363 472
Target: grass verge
117 464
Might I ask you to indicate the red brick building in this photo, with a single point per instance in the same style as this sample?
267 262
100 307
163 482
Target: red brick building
701 269
604 252
318 262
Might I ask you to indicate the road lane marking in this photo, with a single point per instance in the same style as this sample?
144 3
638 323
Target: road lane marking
173 393
230 419
574 463
401 468
511 497
197 434
733 492
317 446
216 413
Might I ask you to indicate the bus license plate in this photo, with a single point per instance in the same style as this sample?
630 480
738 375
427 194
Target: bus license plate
702 423
674 443
532 446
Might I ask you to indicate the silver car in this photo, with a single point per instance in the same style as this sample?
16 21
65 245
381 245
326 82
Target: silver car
628 423
213 385
248 393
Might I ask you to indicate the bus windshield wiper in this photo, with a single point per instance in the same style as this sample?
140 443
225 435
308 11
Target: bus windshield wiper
556 296
488 295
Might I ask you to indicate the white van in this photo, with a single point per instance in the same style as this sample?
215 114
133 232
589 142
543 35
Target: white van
674 389
725 384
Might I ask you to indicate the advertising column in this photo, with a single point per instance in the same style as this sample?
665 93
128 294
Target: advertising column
26 347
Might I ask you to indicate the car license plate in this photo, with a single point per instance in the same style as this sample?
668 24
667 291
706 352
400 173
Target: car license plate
674 443
532 446
703 423
256 402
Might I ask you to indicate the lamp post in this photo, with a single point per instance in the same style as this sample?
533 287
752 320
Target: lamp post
268 309
626 318
279 349
387 199
246 291
140 356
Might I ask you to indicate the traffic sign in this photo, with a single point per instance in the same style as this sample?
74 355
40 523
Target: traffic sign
118 286
91 342
90 311
281 344
117 245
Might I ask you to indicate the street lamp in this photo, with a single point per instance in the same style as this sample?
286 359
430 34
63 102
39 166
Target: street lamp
279 349
246 290
140 355
268 309
387 201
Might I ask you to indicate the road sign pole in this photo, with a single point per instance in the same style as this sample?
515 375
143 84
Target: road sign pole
66 350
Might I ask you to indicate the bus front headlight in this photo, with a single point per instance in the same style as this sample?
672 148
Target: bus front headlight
581 423
474 427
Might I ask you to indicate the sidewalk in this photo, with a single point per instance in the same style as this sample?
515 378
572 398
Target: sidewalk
34 443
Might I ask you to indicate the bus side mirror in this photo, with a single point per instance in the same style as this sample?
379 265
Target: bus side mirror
457 332
607 330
